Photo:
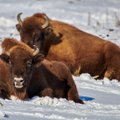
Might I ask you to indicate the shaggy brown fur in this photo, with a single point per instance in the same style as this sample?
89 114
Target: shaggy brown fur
80 51
6 84
41 77
4 80
8 43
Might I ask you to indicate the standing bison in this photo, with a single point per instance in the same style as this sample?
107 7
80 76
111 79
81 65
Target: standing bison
80 51
33 75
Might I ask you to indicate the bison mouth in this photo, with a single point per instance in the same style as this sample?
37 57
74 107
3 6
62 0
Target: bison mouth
18 82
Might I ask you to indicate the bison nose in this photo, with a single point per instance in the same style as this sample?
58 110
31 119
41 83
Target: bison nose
18 82
21 81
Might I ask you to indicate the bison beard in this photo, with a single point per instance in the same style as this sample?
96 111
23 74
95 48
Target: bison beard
20 94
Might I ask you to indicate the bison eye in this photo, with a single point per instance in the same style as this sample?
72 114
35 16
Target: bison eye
29 63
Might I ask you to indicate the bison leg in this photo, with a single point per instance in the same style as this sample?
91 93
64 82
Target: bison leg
109 74
3 94
73 95
46 92
77 71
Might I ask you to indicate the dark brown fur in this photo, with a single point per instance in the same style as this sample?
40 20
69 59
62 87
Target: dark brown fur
43 78
80 51
6 84
57 76
4 80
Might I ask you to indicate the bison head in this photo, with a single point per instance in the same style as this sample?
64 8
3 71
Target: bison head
21 62
37 30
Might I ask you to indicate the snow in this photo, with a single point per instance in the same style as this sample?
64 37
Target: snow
96 17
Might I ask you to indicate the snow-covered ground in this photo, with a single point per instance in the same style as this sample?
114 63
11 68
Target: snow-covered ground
99 17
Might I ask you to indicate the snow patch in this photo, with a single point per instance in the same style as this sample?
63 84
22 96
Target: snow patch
106 105
6 22
45 100
12 97
2 114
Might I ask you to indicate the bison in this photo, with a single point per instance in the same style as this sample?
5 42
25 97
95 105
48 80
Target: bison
5 84
33 75
80 51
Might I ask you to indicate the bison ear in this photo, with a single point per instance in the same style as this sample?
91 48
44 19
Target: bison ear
5 57
50 33
38 58
18 27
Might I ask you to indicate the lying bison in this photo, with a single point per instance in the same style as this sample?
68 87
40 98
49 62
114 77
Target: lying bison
32 75
80 51
5 84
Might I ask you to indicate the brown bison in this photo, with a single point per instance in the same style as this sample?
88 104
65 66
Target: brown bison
32 75
5 76
80 51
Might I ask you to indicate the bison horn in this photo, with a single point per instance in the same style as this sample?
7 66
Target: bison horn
46 22
36 51
19 19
